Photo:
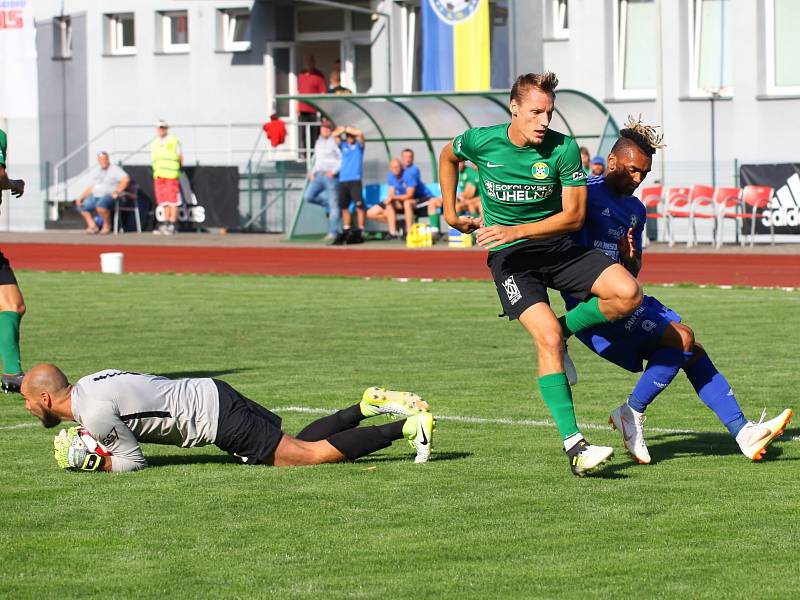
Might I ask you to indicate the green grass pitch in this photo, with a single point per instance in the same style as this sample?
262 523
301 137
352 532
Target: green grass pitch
495 514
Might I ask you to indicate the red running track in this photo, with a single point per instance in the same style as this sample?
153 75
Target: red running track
716 269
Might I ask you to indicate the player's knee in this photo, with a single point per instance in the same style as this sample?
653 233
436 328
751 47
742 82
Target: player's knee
629 296
550 340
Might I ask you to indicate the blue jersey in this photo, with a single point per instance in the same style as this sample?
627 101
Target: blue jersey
629 340
608 218
352 161
413 178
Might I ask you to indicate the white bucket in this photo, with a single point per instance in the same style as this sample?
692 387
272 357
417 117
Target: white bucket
111 262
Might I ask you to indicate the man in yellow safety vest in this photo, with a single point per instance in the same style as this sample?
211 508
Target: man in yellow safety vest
167 158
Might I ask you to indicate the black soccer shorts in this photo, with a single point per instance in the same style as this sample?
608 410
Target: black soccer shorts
7 276
523 272
350 191
244 428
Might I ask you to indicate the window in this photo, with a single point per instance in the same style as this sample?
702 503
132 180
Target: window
560 19
314 19
635 49
235 24
175 31
121 36
783 47
711 47
62 38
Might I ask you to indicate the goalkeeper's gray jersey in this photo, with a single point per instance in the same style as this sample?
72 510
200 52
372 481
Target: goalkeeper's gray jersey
121 409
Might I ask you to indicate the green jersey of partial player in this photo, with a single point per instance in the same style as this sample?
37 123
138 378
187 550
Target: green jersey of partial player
520 185
3 147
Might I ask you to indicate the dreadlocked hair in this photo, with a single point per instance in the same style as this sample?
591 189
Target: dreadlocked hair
644 136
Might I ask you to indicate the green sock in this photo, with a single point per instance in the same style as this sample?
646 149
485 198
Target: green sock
434 219
558 398
583 316
9 341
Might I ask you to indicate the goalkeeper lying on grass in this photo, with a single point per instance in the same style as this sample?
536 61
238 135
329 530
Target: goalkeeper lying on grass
119 409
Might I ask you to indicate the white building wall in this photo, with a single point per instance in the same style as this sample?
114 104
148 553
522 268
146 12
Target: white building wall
749 128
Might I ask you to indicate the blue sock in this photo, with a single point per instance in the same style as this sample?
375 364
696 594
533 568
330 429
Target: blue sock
716 392
662 367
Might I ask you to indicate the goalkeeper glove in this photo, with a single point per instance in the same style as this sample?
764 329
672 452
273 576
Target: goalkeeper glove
71 453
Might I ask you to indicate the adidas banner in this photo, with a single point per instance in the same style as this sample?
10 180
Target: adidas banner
783 211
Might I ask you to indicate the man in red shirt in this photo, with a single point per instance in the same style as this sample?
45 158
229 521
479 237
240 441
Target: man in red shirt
309 81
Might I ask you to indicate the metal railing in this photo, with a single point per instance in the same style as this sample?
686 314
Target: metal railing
234 144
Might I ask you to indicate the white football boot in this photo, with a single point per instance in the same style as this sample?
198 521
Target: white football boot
631 425
569 367
754 438
585 458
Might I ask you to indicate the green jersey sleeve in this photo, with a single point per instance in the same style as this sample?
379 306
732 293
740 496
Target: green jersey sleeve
570 169
464 145
3 147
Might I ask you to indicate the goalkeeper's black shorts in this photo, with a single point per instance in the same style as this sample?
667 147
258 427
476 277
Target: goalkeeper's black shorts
244 428
6 272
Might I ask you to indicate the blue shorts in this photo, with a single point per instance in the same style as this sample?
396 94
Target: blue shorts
630 340
94 202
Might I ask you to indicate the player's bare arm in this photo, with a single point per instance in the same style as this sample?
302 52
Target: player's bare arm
448 180
569 220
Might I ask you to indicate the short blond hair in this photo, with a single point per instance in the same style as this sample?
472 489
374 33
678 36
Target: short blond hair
544 82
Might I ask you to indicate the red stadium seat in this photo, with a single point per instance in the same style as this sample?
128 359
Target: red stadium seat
729 206
678 207
653 200
701 200
755 198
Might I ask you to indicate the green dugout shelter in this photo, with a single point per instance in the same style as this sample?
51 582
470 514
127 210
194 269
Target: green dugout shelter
425 122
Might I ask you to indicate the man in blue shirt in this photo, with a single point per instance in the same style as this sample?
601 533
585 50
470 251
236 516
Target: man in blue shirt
614 224
351 145
422 201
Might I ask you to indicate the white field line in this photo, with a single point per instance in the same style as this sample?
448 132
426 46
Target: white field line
454 418
18 426
503 421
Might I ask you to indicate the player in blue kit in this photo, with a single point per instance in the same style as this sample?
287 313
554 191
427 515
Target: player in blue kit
615 221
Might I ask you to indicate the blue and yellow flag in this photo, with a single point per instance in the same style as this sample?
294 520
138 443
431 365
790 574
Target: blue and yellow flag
455 45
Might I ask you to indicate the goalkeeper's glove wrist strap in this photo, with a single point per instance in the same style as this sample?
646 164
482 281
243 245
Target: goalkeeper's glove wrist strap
92 462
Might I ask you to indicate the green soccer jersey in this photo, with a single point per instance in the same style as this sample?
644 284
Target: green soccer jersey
520 185
3 147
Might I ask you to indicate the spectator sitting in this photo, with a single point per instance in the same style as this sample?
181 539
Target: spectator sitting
322 178
275 130
598 166
108 182
386 210
469 195
336 86
351 146
423 202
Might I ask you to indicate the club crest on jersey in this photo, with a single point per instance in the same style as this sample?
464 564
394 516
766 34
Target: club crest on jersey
512 290
540 170
454 11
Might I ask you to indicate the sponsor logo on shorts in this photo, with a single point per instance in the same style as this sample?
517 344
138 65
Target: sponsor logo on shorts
630 323
512 290
606 212
648 325
540 170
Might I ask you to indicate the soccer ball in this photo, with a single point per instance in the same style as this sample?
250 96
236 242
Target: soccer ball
91 444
